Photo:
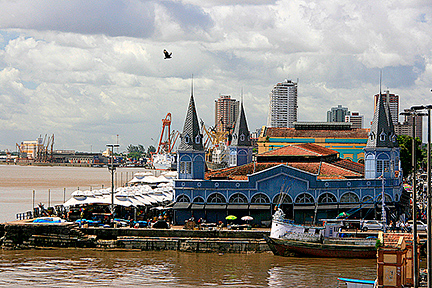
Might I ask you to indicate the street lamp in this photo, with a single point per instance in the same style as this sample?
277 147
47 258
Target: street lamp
413 114
429 194
112 169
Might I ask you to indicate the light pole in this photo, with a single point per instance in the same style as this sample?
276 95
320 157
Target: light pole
413 113
429 194
112 169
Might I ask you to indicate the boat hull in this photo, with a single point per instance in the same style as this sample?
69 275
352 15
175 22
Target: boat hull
285 247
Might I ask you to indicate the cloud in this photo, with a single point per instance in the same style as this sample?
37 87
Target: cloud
89 70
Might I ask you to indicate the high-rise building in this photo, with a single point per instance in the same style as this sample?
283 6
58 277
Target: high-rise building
405 128
392 100
283 105
226 113
356 119
337 114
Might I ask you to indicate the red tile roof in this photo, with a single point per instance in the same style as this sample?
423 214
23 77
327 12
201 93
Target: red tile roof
306 149
349 164
325 170
293 133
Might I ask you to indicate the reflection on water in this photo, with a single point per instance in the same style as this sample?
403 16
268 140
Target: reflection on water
71 268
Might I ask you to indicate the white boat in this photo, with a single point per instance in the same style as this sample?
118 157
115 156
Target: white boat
163 161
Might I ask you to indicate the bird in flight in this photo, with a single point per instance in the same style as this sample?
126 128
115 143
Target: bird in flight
167 54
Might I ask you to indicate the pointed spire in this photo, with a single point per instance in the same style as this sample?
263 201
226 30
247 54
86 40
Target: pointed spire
241 135
382 129
191 138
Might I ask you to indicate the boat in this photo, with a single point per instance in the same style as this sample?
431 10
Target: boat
357 283
287 239
164 161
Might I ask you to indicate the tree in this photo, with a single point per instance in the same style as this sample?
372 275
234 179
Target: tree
151 149
405 144
135 152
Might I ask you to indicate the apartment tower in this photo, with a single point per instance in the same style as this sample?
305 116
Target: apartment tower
226 113
283 105
392 100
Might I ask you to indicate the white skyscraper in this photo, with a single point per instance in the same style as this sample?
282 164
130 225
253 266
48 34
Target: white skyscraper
283 105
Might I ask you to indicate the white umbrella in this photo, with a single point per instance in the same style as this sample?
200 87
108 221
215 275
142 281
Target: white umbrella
247 218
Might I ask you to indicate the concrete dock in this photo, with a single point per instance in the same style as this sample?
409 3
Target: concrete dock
28 235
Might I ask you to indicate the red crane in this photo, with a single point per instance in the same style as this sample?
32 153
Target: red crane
167 138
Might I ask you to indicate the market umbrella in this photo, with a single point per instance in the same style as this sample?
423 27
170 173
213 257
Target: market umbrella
231 217
247 218
343 215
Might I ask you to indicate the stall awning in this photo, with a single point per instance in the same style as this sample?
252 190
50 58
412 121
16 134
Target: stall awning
197 206
349 206
304 207
237 206
259 207
216 206
327 207
181 205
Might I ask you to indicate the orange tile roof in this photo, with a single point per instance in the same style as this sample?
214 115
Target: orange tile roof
349 164
325 170
293 133
305 149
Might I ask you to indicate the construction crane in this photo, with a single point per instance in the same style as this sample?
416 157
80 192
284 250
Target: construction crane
167 138
212 139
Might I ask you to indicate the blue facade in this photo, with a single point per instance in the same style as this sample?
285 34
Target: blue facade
308 196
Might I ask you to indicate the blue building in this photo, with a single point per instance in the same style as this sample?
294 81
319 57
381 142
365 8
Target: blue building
310 182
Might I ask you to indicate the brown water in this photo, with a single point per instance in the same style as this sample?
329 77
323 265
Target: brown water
89 268
51 185
86 268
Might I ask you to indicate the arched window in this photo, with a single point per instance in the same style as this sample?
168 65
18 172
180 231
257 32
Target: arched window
198 199
183 198
387 199
367 199
238 198
260 199
349 197
187 139
197 139
304 198
216 198
286 199
327 198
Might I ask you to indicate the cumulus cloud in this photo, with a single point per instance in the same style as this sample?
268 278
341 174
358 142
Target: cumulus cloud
89 70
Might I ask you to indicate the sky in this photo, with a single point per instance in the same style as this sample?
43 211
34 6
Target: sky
93 72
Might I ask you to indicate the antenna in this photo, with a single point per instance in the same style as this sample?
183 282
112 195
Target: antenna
380 79
242 94
192 86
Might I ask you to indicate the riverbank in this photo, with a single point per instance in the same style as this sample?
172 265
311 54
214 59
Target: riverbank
27 235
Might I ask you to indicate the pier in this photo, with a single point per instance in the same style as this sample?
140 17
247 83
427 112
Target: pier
27 235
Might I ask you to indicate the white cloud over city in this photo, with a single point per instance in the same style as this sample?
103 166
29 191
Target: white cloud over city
87 71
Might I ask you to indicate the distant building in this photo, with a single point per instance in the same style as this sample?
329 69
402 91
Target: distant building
337 114
283 105
339 136
392 100
405 128
226 113
355 119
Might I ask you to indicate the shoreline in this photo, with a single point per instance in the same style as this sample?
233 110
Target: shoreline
26 235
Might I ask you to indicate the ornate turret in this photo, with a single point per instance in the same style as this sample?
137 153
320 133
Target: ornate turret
241 147
382 153
191 155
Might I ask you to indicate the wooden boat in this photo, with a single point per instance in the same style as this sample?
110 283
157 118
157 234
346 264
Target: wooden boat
349 248
287 238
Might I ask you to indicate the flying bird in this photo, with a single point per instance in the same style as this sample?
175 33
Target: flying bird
167 54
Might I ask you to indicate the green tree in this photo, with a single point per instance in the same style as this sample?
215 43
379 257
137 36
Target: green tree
405 143
151 149
135 152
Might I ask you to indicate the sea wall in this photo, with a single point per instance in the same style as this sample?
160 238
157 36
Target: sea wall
35 236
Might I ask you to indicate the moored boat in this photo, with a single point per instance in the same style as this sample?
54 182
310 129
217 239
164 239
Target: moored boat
287 238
